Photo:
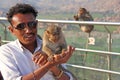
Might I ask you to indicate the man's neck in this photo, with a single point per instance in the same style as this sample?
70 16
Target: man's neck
31 47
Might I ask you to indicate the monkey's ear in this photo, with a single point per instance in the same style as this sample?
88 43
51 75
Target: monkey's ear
47 32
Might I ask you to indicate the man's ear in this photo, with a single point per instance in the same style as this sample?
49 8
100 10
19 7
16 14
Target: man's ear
10 28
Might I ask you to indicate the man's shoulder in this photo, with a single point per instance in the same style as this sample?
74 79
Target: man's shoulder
8 45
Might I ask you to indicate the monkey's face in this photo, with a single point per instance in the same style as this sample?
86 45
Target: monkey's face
54 36
81 12
54 33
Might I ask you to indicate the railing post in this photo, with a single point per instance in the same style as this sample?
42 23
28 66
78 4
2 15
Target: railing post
109 41
109 56
5 32
0 41
85 57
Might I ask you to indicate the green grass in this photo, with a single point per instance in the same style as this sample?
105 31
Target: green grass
56 16
102 28
65 16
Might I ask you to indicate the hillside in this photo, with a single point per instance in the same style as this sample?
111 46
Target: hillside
67 5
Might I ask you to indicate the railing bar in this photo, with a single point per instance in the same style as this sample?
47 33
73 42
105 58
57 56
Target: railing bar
5 41
75 22
3 18
80 22
94 69
97 51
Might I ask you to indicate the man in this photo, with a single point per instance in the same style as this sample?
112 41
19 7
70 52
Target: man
23 59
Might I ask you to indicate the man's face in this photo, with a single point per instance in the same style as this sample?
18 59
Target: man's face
24 27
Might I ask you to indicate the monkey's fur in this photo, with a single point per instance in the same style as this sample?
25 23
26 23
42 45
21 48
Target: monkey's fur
83 15
54 43
53 40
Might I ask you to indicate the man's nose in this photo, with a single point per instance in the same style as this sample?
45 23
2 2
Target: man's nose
28 29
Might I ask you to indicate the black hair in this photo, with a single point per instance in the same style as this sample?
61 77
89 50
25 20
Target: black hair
21 8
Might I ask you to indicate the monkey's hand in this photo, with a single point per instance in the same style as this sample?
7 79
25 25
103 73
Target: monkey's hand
67 53
50 58
40 58
76 18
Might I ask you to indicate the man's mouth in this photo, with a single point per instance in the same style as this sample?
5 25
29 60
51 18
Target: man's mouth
29 35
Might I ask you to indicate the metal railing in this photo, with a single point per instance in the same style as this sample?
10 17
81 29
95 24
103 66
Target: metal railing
86 50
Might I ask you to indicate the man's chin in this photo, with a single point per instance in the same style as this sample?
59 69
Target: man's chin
30 40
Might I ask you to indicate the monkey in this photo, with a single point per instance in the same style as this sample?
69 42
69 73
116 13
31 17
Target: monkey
84 15
53 40
54 43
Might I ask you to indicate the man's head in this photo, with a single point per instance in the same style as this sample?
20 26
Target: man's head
22 18
21 8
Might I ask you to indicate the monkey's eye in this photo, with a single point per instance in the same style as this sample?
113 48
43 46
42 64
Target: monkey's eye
55 33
